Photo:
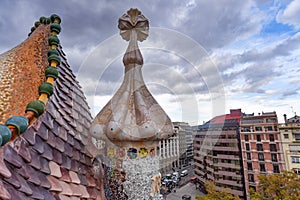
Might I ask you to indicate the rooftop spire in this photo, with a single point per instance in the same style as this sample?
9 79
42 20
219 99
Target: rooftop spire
133 115
133 27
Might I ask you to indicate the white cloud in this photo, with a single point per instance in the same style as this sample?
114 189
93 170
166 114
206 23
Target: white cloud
291 14
196 51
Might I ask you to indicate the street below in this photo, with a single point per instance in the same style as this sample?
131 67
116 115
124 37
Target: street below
189 189
185 187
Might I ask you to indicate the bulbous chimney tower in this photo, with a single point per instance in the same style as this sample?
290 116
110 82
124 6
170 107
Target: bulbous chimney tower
132 123
133 115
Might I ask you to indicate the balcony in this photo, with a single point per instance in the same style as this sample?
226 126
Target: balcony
228 165
220 132
217 148
215 140
198 139
200 152
237 192
210 169
201 179
232 191
199 172
209 162
229 182
199 165
223 156
210 177
226 173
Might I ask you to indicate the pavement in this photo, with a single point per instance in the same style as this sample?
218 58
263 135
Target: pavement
189 189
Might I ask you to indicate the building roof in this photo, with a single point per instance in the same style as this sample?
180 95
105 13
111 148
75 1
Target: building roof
295 119
226 120
235 114
50 159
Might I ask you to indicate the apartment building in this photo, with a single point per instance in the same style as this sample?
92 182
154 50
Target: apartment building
290 136
185 136
261 147
217 153
169 153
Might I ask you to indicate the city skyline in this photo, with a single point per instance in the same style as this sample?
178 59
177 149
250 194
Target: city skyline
201 58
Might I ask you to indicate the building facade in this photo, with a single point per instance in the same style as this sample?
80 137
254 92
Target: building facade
185 136
169 153
234 149
217 153
176 152
290 136
261 147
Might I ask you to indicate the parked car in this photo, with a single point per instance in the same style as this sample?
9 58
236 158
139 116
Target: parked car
176 181
193 180
184 173
169 176
186 197
176 174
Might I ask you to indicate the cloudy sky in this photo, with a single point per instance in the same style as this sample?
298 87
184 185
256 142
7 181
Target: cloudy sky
201 57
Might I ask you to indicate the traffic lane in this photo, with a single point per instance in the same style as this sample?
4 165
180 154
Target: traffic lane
185 179
189 189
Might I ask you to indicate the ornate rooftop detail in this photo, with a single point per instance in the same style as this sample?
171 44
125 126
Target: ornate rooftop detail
133 115
49 159
133 27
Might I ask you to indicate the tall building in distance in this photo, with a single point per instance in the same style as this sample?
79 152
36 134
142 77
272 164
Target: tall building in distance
169 153
217 153
261 147
185 136
290 136
176 152
234 149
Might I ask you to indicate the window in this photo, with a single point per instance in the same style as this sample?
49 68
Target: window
274 157
250 177
259 147
271 120
297 136
272 137
297 170
258 138
295 159
246 137
261 157
269 128
247 129
262 167
247 147
258 128
276 168
286 136
248 156
273 147
249 166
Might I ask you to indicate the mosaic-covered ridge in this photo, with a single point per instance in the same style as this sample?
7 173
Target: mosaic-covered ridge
49 160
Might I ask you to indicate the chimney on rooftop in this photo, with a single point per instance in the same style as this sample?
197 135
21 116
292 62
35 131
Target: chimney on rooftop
285 120
236 112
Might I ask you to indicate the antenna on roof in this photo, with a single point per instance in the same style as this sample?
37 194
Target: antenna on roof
293 110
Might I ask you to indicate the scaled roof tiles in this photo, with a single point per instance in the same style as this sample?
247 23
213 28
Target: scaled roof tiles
49 160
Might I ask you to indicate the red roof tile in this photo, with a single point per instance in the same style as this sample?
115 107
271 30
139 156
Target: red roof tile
49 160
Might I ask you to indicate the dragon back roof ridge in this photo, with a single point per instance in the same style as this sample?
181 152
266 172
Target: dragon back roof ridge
42 102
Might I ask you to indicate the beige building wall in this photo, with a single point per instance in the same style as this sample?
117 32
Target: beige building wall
290 136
